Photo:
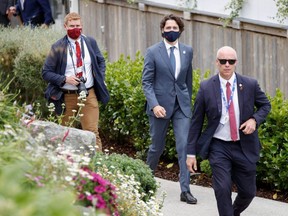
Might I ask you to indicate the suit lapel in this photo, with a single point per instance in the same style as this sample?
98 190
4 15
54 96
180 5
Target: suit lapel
216 86
240 93
182 53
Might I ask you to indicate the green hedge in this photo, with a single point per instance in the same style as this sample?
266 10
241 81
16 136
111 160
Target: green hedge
273 164
22 55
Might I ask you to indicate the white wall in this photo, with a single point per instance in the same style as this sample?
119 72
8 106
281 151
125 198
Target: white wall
74 6
255 10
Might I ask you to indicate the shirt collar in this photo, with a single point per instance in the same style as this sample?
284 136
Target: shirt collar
223 81
72 41
169 45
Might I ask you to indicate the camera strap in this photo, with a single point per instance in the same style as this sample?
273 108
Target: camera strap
71 50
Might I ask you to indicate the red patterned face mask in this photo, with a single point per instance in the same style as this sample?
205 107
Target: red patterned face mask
74 33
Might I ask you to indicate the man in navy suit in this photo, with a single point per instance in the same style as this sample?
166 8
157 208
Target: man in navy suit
168 88
34 12
69 74
230 140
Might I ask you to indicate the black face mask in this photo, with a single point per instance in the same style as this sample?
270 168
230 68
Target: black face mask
171 36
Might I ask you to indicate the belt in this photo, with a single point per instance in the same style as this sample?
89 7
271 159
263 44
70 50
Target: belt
67 91
224 141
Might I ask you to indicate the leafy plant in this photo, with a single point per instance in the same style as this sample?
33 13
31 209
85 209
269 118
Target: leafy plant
129 166
94 191
272 167
282 12
124 118
19 199
22 55
235 6
205 167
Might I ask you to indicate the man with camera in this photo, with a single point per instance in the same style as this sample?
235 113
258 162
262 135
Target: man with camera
75 67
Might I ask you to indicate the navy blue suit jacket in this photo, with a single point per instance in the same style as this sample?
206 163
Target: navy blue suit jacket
36 12
209 104
55 65
159 83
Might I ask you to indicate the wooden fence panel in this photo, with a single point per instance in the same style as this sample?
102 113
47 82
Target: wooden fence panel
123 28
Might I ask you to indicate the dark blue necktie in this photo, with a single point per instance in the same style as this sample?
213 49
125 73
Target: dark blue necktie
172 58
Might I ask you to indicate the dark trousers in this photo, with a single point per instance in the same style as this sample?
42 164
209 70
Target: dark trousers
4 20
229 165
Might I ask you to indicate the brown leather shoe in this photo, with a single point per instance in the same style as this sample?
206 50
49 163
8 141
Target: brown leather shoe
188 198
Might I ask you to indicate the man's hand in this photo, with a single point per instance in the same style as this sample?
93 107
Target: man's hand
191 163
44 26
249 126
159 111
72 80
12 10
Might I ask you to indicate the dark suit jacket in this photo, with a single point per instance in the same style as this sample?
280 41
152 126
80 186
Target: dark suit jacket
36 12
159 83
208 103
55 65
4 5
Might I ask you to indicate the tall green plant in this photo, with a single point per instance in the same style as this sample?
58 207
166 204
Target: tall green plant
124 116
272 167
22 55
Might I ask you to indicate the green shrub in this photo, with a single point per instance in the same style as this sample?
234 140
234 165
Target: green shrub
205 167
128 166
19 194
124 117
17 199
272 167
22 55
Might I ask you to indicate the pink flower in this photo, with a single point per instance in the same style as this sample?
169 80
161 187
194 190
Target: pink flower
102 194
99 189
81 196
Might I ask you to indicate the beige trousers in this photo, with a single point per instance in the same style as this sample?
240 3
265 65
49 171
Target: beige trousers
90 119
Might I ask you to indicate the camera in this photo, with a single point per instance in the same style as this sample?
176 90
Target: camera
81 86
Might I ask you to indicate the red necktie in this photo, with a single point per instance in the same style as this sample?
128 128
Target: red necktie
232 118
78 58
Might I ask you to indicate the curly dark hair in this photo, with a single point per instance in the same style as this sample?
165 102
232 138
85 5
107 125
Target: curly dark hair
178 20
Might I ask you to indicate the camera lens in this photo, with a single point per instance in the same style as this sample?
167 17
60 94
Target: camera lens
81 86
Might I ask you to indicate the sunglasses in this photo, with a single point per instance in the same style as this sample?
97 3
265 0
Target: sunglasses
224 61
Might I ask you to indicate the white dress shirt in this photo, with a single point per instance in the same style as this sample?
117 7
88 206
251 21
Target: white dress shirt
223 130
72 64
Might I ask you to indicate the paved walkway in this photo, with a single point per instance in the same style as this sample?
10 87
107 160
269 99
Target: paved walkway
206 205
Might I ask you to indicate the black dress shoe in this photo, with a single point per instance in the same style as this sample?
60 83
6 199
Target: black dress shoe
188 198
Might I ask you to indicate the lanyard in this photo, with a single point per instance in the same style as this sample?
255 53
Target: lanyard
72 49
228 103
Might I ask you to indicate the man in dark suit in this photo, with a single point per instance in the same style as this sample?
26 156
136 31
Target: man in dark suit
167 85
34 12
70 74
230 140
5 11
